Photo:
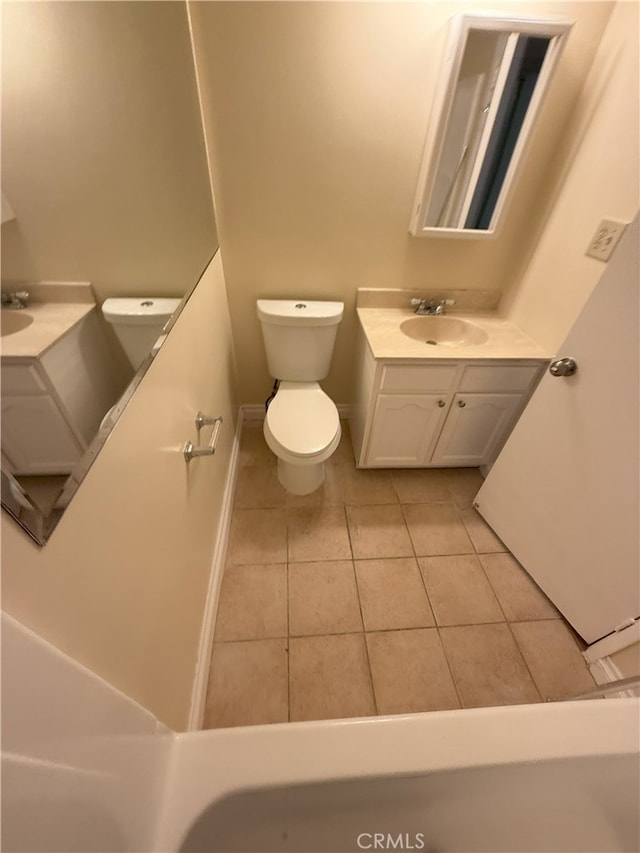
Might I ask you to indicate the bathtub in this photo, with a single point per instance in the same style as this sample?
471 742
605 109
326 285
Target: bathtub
554 777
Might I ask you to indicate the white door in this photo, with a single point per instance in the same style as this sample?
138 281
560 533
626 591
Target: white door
563 494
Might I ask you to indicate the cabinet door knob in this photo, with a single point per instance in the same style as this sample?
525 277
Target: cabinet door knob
442 404
462 404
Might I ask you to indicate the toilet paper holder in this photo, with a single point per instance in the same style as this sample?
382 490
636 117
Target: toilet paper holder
190 451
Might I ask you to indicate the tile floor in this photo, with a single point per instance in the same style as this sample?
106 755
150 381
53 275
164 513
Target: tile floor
384 592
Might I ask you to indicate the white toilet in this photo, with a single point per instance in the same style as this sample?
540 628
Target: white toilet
138 323
301 426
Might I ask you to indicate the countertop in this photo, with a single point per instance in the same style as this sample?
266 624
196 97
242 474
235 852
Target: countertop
381 327
51 320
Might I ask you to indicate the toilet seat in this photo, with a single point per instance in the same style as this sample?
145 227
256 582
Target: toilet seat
302 423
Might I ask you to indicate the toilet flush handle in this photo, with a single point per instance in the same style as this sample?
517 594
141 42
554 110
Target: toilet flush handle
190 451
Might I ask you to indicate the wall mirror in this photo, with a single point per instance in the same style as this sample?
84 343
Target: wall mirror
105 174
495 74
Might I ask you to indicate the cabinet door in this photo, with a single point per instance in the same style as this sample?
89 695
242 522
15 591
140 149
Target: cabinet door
36 437
476 428
404 427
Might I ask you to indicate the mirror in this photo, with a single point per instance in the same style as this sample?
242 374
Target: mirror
495 76
104 168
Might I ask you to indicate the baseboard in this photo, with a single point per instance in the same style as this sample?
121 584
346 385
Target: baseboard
604 671
205 647
252 412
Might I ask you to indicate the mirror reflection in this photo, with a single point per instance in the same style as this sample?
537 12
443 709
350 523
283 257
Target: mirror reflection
494 88
107 226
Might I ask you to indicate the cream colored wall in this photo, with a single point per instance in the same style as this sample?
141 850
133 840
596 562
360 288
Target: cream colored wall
102 153
121 584
316 116
595 176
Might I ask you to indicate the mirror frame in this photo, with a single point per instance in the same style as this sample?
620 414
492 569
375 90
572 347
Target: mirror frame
557 29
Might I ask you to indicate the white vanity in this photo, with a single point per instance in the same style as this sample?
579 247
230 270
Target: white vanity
447 398
59 376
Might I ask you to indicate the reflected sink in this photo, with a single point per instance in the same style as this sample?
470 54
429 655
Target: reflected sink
443 331
13 321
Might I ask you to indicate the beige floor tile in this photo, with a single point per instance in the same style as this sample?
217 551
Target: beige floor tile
318 533
329 677
421 486
464 485
484 539
558 668
410 672
392 594
253 603
258 486
487 666
323 598
253 448
247 684
519 596
459 591
435 529
257 536
366 486
328 494
378 531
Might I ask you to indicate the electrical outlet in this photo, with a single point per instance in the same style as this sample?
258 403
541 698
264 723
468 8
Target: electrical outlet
605 239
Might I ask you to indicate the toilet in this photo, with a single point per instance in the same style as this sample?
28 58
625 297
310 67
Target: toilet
301 426
138 322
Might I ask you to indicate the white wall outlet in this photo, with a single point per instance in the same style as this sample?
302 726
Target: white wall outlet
605 239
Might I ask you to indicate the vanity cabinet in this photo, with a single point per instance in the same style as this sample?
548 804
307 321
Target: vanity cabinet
437 414
53 402
38 436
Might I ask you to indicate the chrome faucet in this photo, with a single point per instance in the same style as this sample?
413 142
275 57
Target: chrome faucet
14 299
430 306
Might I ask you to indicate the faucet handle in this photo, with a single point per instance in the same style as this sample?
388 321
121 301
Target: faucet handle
416 301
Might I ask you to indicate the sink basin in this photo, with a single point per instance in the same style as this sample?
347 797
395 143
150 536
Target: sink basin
13 321
443 331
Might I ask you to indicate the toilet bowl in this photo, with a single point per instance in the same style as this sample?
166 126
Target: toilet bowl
302 426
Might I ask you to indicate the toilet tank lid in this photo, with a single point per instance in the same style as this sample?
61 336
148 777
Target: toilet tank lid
139 310
302 312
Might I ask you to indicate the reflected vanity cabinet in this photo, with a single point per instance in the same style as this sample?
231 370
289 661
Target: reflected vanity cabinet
436 413
52 404
38 436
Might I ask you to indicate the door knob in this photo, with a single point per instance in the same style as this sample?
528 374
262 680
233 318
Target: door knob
563 367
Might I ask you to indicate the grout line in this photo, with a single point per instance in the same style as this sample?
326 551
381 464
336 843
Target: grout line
378 631
366 651
288 649
449 667
364 638
524 660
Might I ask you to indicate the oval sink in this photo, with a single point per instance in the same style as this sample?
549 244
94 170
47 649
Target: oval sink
13 321
443 331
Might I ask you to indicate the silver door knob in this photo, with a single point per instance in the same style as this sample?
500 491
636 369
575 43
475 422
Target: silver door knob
563 367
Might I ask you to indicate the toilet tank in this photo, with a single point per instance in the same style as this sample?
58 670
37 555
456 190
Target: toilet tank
299 336
138 323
